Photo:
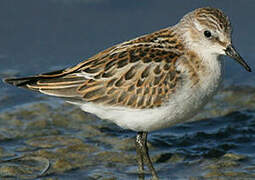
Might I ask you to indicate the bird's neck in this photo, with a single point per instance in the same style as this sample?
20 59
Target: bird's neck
211 71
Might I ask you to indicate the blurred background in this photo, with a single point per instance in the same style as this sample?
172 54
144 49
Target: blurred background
46 35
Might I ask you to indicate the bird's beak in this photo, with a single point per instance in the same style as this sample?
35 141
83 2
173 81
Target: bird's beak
231 52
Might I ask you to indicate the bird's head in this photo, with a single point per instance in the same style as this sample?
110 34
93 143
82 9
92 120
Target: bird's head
208 30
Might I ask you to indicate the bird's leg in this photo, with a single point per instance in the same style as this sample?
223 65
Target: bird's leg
139 154
141 141
147 156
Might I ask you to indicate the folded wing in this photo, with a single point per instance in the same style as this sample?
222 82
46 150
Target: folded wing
139 75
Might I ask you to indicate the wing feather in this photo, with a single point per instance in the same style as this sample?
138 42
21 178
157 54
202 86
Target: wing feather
138 74
136 77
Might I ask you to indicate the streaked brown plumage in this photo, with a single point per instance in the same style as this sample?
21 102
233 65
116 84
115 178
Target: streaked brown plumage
138 74
217 19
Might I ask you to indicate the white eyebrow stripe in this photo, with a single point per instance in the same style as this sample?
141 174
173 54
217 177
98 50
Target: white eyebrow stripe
198 26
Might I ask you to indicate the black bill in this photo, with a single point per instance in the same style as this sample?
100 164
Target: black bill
231 52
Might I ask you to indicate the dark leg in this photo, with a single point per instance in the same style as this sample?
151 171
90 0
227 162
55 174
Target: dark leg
139 154
141 145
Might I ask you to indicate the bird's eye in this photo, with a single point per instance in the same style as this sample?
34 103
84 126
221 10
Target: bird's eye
207 34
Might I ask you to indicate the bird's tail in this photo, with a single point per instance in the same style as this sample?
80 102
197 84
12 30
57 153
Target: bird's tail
62 83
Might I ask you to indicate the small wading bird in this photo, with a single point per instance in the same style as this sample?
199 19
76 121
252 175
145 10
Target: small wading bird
152 82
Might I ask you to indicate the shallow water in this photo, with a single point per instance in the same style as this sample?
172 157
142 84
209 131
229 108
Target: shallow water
47 35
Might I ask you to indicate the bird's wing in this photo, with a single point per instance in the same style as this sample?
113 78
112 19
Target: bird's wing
135 75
